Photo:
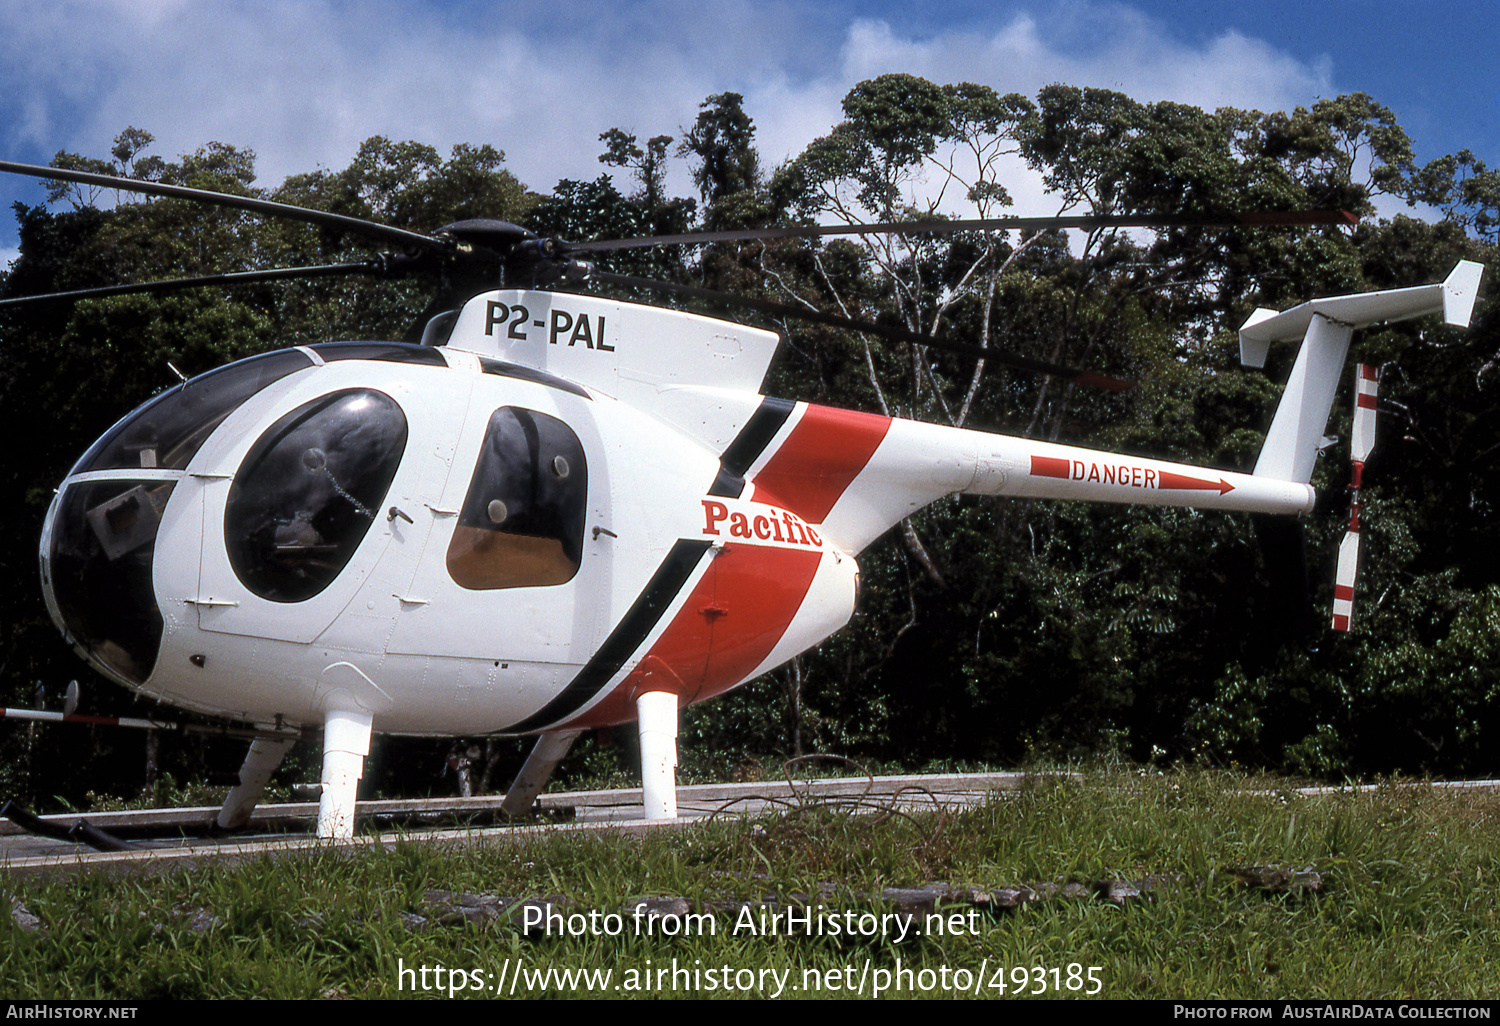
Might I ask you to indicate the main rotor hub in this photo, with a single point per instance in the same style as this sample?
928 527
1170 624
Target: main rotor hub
500 236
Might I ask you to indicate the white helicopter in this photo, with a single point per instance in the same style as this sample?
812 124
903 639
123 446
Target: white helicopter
560 513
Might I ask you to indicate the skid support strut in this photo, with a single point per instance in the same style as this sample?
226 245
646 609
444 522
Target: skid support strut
543 760
261 761
346 742
656 712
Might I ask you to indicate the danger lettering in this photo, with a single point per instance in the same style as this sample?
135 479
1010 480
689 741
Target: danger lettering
1123 474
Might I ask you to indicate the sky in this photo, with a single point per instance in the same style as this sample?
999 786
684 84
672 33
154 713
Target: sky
303 82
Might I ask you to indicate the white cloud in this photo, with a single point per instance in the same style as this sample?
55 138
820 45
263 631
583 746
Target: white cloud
303 83
1103 46
8 257
1091 45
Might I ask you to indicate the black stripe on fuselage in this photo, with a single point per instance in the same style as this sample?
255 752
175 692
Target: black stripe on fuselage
748 445
624 640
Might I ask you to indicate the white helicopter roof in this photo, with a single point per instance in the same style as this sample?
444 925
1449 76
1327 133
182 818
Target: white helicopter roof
628 351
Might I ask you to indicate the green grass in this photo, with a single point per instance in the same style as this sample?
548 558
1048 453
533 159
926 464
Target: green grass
1408 907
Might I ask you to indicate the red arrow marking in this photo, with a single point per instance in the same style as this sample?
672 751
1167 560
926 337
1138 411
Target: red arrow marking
1109 473
1184 483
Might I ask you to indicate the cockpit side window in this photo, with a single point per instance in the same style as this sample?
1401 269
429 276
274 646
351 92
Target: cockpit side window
308 491
522 520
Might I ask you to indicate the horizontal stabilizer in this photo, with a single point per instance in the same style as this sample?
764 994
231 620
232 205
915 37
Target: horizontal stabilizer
1453 298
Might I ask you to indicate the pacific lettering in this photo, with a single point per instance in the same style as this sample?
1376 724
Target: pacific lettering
713 512
791 526
774 525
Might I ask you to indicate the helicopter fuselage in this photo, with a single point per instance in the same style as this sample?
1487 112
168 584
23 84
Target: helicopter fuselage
435 624
520 531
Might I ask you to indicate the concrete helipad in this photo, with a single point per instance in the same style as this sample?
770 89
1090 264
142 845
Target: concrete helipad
169 838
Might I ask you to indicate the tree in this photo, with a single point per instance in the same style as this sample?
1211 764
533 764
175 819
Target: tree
987 629
723 140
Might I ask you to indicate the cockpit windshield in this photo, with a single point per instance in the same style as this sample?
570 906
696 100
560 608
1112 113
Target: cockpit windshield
167 431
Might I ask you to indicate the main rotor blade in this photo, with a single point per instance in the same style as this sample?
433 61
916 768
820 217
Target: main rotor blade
170 284
353 225
892 332
1084 221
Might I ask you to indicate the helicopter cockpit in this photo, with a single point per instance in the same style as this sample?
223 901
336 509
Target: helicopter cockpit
105 519
300 502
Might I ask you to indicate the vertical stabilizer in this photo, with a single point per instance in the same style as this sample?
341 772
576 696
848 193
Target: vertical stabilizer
1291 449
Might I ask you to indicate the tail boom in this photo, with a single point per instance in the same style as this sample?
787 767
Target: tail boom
917 463
856 475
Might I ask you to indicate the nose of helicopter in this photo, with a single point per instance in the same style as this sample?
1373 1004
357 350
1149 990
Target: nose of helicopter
97 551
99 539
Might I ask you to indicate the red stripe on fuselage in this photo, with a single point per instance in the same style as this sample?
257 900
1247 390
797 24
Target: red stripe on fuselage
820 458
729 624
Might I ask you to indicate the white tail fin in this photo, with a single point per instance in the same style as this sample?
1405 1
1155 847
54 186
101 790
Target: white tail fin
1325 326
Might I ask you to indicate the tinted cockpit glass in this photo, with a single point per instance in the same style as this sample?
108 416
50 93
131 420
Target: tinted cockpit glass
168 430
100 571
309 490
522 520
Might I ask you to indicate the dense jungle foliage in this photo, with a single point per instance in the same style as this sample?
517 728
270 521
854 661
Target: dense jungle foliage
988 630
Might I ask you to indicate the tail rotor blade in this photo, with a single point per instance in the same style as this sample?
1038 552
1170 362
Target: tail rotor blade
1366 384
1343 587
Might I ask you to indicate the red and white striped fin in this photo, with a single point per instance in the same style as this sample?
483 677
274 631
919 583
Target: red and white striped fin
1343 586
1366 383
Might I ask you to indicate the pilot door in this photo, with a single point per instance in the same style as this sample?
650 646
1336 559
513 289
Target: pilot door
329 495
512 572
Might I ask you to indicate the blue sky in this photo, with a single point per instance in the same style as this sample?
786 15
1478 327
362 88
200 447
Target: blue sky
302 82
